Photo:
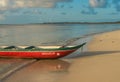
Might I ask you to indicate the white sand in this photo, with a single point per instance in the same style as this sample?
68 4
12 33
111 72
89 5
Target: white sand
102 66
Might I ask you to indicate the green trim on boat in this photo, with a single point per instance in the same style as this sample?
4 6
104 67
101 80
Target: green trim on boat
32 48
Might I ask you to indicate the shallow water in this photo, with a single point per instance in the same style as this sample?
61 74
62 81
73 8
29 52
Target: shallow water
48 33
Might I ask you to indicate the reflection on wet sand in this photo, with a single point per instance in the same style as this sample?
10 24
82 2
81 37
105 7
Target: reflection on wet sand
50 65
41 71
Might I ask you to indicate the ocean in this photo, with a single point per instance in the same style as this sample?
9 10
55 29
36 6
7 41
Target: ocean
43 34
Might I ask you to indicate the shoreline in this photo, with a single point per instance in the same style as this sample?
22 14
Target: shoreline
100 63
43 23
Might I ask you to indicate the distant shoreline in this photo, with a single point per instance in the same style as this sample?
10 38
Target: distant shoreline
81 23
67 23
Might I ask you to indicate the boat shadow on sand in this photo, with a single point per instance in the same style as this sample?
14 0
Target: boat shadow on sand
90 53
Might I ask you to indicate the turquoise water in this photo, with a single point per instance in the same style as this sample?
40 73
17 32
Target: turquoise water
48 33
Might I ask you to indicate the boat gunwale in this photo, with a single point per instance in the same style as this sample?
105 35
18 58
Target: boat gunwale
44 49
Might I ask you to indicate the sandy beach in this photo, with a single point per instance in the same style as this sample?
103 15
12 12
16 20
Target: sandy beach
101 63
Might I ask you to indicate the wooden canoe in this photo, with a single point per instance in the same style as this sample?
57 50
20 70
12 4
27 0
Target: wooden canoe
37 51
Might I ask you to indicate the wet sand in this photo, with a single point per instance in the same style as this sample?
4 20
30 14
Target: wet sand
41 71
9 66
101 63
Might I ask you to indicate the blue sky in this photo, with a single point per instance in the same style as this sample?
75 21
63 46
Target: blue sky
39 11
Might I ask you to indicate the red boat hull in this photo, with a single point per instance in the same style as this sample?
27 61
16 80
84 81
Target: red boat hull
12 51
36 54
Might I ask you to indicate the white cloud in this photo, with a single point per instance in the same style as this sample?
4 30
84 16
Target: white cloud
11 4
97 3
3 4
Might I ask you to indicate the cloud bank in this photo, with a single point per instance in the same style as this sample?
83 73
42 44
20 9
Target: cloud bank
12 4
98 3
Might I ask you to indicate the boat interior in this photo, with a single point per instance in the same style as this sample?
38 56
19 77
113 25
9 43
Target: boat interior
29 47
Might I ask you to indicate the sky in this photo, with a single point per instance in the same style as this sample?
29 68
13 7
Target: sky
43 11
